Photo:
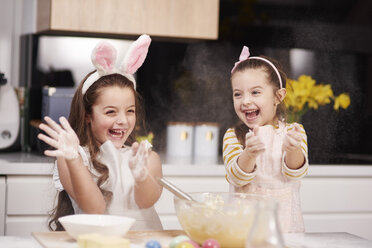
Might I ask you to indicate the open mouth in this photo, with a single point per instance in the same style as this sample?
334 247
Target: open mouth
116 133
251 114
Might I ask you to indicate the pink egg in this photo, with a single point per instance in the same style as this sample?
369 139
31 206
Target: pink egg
211 243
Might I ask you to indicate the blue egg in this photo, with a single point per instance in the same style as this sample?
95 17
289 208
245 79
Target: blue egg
153 244
174 242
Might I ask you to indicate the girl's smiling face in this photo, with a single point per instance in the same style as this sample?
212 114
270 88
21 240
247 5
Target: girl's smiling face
113 115
254 100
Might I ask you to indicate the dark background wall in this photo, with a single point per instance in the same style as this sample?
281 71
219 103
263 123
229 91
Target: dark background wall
189 80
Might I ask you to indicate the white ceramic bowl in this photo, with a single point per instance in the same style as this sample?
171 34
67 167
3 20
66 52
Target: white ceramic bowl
78 224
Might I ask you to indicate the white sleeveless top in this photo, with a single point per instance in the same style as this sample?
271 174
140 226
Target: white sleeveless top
121 183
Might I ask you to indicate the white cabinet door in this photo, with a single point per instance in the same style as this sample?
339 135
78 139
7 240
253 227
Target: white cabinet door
30 195
25 225
336 195
359 224
337 204
2 204
29 202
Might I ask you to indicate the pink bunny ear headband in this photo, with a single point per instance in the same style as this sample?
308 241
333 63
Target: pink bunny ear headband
244 55
104 58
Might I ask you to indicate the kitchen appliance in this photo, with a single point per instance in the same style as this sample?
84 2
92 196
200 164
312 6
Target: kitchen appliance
9 114
56 102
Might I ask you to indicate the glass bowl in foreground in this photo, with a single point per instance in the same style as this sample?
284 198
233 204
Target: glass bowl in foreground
225 217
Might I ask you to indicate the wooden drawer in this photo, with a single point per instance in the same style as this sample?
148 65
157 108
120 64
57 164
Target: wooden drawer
30 195
166 18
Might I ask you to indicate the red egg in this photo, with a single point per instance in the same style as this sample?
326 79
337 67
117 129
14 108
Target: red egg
211 243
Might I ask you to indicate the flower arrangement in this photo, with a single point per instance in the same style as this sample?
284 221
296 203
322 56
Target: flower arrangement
304 94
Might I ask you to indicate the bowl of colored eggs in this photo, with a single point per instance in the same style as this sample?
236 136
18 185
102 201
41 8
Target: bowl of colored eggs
224 217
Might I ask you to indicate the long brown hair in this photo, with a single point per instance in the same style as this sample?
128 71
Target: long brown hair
81 108
240 128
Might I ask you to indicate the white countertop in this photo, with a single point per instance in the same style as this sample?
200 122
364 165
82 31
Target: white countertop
307 240
20 163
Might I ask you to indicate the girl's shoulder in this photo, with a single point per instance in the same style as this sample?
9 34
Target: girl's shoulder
230 136
230 130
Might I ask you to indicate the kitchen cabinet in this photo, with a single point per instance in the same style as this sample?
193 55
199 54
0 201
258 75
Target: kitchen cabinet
28 203
338 204
193 19
333 198
31 198
2 203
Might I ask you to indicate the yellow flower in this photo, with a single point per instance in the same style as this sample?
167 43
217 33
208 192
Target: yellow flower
298 92
343 101
304 94
148 137
320 95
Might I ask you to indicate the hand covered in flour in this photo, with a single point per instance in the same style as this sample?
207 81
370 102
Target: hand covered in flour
138 160
61 137
293 139
253 144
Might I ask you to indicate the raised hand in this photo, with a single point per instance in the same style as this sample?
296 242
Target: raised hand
62 138
293 139
138 160
253 145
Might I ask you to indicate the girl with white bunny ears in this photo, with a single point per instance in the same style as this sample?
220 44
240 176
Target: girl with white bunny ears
99 168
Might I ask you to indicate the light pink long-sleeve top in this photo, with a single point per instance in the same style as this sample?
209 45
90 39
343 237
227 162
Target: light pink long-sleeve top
271 177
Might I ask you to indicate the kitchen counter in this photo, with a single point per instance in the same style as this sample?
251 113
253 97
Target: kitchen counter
333 197
20 163
306 240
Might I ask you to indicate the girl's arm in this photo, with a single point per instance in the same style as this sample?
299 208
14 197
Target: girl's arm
238 172
148 191
295 161
79 184
253 147
74 175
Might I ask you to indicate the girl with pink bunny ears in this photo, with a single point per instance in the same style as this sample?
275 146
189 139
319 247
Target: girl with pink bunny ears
100 169
263 154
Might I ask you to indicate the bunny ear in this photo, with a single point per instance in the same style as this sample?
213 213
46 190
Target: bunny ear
104 57
136 55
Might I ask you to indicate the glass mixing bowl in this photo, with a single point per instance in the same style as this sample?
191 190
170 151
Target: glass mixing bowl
225 217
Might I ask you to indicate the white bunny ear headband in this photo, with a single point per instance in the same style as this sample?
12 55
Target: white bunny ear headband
104 59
